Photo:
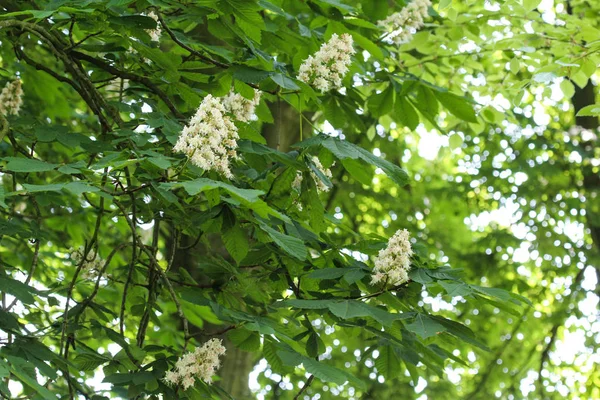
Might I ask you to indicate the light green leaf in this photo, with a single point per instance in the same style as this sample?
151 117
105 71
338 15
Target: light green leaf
291 245
285 82
17 164
388 363
425 327
457 105
589 111
236 242
18 289
381 103
244 339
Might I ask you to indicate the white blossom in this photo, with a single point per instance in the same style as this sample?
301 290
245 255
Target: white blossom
91 263
11 98
326 68
210 139
154 33
393 263
401 26
202 363
241 107
321 186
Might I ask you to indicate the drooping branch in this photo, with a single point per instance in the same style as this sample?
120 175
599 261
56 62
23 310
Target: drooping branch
132 77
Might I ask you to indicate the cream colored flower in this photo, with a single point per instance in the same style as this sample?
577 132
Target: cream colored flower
401 26
393 263
321 186
326 68
240 107
210 139
201 364
11 98
154 33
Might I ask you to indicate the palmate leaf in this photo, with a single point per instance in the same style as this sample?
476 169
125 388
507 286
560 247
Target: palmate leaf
244 339
16 368
343 149
18 289
425 327
270 354
322 371
388 363
457 105
236 242
18 164
291 245
344 309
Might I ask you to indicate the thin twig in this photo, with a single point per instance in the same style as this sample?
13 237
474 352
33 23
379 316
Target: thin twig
306 385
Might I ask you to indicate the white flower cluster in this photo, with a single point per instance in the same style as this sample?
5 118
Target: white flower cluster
154 33
326 68
202 364
241 107
393 263
210 139
321 186
11 98
401 26
92 263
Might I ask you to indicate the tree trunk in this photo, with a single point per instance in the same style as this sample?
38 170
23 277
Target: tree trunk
238 364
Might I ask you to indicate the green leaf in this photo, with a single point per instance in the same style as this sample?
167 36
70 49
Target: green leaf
354 308
320 370
249 74
420 275
530 5
291 245
17 164
244 339
456 288
30 381
460 331
134 21
90 361
372 48
425 327
455 141
53 187
8 322
343 149
567 87
38 14
284 81
269 351
314 345
236 242
382 103
78 188
358 171
405 113
328 273
344 309
2 197
589 111
304 304
515 65
457 105
388 363
18 289
202 184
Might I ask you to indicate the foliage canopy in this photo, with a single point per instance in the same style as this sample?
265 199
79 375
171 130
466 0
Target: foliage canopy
119 254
